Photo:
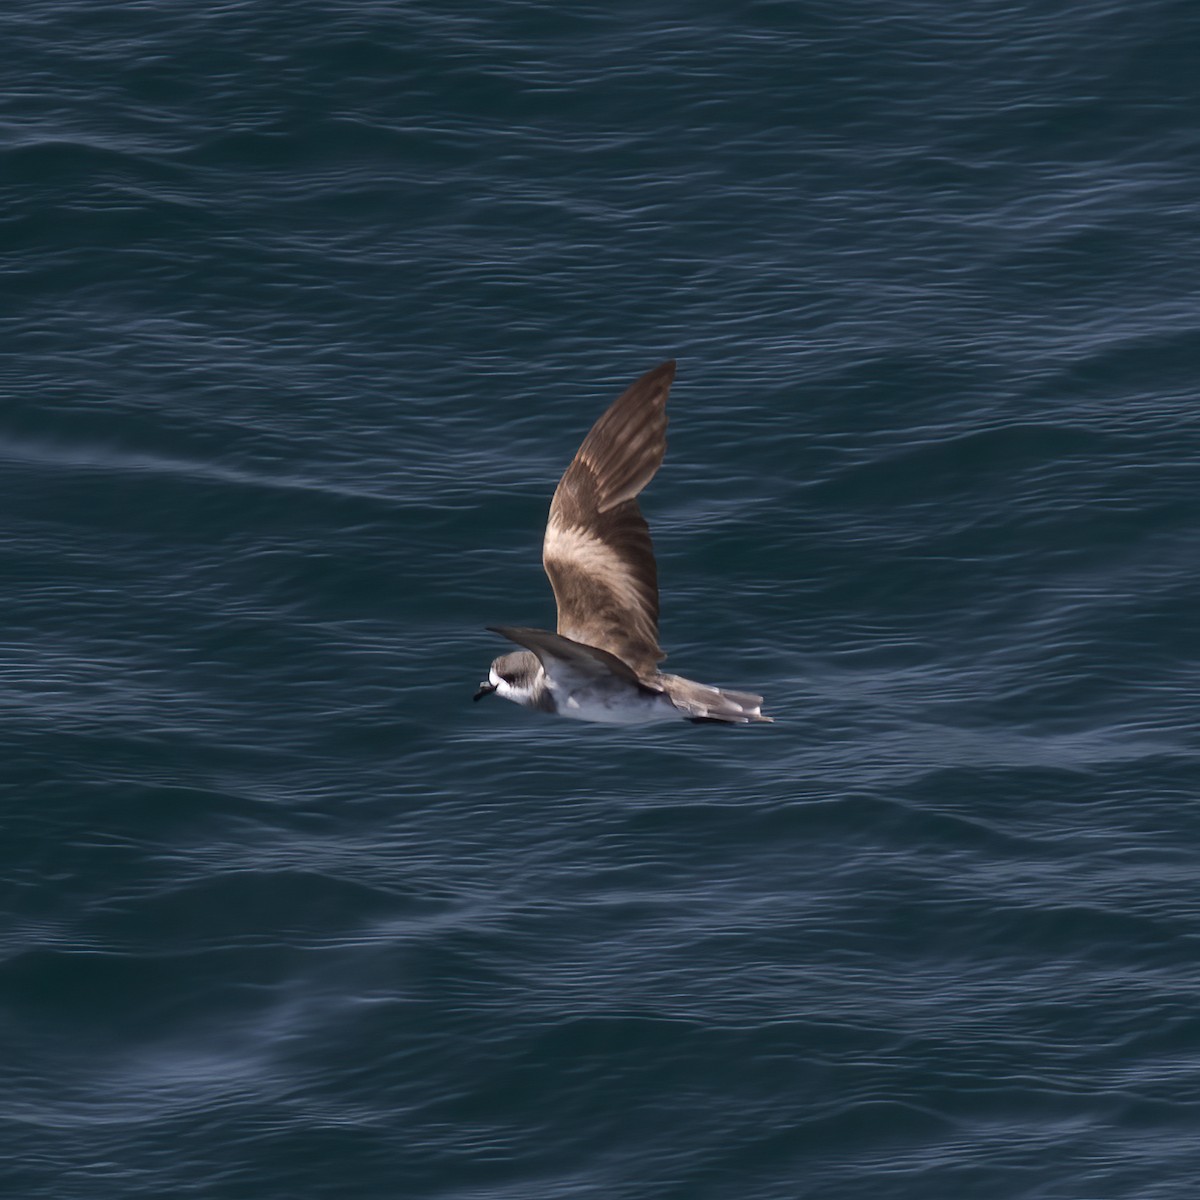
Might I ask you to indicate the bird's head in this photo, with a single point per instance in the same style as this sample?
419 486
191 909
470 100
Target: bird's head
511 676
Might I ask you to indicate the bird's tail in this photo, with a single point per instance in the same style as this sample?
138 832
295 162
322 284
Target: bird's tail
722 706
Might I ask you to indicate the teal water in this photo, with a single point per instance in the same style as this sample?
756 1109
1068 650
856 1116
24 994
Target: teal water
305 309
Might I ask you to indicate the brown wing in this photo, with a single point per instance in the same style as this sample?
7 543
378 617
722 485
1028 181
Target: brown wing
597 551
585 660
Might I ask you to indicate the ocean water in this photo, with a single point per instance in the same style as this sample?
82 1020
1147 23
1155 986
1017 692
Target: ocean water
305 309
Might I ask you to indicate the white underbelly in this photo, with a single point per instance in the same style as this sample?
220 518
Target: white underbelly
624 708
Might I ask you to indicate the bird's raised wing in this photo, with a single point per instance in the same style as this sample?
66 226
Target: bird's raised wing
597 550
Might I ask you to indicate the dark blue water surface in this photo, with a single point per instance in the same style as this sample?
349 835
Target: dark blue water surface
305 308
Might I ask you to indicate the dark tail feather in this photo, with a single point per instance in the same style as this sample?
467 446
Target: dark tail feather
722 706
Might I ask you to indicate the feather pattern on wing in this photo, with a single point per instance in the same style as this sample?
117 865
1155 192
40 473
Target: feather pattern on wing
597 550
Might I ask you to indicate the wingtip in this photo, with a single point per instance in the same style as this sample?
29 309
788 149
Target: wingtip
519 633
505 631
664 371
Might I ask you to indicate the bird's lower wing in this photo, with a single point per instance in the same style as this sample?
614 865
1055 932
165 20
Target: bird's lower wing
553 650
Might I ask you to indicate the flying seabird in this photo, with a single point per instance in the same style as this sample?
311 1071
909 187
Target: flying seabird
602 664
